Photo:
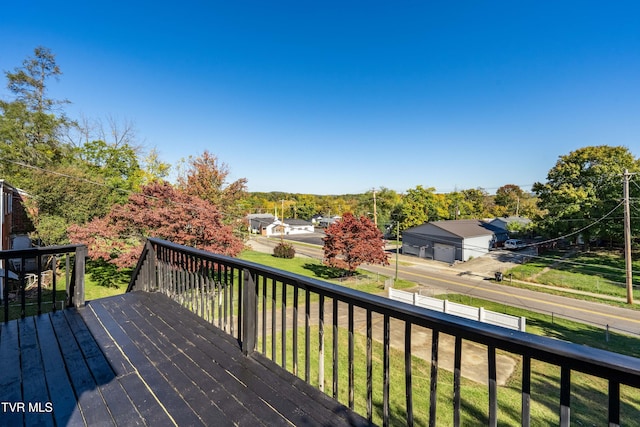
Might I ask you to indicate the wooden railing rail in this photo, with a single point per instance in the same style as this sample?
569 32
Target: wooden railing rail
272 312
25 268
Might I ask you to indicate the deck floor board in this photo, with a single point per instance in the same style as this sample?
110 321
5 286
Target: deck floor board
141 359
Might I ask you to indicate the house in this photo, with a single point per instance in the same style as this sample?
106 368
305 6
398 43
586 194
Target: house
14 220
450 241
316 219
6 214
268 225
258 223
298 226
325 222
509 223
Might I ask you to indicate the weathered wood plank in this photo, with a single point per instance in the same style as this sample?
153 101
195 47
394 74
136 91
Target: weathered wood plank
144 401
221 389
293 398
58 382
93 356
228 362
120 364
187 395
118 402
141 359
137 353
92 405
34 386
10 374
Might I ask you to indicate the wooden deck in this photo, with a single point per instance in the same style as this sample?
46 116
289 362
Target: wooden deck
141 359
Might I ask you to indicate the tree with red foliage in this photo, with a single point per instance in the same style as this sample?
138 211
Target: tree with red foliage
161 211
352 241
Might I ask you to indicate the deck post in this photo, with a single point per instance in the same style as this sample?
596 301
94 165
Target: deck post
79 270
249 313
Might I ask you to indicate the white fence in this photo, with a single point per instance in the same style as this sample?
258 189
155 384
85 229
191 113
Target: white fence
468 312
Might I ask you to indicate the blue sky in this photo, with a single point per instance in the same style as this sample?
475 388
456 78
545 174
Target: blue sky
335 97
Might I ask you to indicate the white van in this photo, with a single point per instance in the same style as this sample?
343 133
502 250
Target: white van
514 244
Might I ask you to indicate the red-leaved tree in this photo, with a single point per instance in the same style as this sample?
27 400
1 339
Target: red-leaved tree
161 211
352 241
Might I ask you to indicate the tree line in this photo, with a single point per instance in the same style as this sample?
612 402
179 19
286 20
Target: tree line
91 181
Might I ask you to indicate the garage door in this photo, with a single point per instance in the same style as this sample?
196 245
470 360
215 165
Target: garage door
444 253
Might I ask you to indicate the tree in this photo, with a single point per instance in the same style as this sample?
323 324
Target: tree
153 168
382 202
582 189
206 177
64 195
420 205
81 188
30 129
352 241
116 165
162 211
509 197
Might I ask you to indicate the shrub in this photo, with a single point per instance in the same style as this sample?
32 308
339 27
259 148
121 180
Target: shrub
284 250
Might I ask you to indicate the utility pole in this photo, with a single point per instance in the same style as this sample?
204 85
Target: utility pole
627 238
375 209
397 246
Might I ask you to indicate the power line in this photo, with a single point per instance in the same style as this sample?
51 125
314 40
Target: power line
110 187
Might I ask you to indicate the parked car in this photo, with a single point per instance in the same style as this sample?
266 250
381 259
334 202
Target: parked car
514 244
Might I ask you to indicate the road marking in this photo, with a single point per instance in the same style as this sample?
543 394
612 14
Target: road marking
612 316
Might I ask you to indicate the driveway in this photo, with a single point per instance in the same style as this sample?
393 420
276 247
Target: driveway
497 260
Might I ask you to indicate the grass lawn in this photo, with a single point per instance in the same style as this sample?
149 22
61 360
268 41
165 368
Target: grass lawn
588 393
554 327
599 271
363 281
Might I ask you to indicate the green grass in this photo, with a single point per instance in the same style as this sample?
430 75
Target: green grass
362 280
588 393
559 328
599 272
94 289
31 304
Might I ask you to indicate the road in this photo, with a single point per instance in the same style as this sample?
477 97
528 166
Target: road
436 278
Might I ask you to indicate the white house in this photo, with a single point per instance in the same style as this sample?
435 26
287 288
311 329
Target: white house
268 225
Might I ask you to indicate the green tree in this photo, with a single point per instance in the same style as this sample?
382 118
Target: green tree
31 125
382 204
154 169
420 205
306 206
64 195
582 189
116 165
510 196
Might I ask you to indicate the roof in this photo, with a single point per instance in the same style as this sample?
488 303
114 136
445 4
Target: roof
461 228
261 221
292 221
510 219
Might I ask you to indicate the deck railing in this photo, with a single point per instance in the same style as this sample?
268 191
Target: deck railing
288 317
26 270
